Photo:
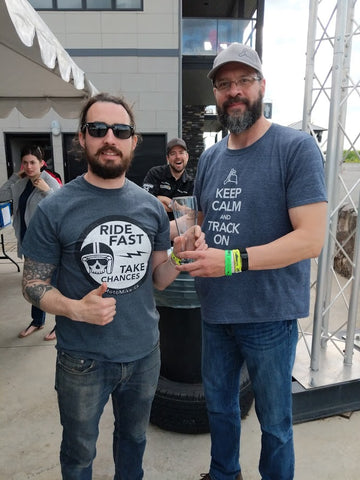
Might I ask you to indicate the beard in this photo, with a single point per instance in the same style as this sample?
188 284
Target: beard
239 122
176 168
108 169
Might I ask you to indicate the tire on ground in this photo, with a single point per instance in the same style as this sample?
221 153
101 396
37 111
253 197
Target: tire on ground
180 407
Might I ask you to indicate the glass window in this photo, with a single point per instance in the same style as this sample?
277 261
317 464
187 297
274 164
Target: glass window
42 4
98 4
87 4
69 4
199 36
209 36
230 31
129 4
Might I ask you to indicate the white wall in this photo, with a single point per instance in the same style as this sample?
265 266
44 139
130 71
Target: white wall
150 84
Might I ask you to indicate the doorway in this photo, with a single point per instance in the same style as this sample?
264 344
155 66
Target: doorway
149 152
14 142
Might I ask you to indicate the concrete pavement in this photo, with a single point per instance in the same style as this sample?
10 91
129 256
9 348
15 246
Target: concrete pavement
326 449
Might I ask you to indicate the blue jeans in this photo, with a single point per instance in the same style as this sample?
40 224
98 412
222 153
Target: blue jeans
269 351
38 316
83 388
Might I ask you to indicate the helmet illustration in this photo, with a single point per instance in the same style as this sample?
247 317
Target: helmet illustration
97 258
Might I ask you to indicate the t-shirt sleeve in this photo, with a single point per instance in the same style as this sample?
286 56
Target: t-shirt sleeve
305 179
162 239
151 182
41 242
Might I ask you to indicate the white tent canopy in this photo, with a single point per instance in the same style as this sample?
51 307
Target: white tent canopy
36 72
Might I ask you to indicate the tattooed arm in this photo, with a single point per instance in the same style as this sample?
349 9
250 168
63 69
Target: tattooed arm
36 280
37 289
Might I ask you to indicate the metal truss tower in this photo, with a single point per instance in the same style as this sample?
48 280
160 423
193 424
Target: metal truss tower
327 366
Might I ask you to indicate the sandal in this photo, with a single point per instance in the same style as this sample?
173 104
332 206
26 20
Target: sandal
51 335
29 330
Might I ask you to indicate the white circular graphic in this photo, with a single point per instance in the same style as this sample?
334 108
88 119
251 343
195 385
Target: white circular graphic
116 252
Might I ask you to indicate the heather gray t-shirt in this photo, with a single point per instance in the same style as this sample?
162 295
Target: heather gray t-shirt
245 195
97 235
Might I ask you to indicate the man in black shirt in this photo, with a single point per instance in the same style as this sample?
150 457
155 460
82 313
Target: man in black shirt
171 180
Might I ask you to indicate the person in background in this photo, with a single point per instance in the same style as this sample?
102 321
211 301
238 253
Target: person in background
108 238
262 200
54 174
26 189
170 180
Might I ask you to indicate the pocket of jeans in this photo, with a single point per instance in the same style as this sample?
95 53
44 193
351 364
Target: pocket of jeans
74 364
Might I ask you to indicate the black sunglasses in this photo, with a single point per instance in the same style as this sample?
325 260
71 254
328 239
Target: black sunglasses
99 130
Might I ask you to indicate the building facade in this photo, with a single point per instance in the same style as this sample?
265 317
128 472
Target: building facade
146 51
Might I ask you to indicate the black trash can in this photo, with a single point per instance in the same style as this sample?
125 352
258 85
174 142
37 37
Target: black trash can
180 330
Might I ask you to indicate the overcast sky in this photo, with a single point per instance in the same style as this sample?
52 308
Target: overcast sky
284 59
284 62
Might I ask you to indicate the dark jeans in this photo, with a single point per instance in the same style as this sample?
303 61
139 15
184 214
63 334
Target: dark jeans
83 387
38 317
269 351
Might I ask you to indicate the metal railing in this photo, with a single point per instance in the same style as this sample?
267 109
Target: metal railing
332 92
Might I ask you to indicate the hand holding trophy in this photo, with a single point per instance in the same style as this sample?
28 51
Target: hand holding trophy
185 213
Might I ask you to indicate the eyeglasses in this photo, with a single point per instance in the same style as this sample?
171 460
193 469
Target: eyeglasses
100 129
243 82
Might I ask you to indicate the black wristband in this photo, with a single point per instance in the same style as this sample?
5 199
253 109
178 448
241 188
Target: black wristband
244 259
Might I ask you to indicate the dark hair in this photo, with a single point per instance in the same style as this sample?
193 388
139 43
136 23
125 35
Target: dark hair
34 150
105 97
76 148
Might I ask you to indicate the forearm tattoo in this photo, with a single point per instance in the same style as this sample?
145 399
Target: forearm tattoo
36 280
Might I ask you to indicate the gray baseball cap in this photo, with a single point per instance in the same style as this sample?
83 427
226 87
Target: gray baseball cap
236 52
175 142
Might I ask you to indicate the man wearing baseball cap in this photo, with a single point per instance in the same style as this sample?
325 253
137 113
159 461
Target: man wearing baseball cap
262 201
170 180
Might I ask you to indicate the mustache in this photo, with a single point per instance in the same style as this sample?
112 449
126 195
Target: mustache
236 99
111 149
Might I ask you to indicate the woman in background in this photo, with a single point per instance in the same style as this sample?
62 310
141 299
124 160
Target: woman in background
26 189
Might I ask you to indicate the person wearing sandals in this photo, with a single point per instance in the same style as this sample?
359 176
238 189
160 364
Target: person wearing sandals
109 240
26 189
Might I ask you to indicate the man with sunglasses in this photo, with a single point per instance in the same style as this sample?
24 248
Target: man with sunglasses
170 180
108 240
262 201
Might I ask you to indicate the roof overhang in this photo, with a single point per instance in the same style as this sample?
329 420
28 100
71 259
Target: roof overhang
37 73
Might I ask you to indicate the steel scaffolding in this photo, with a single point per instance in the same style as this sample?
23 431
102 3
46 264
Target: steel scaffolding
328 372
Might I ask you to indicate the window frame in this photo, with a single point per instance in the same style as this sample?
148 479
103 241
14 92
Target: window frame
86 9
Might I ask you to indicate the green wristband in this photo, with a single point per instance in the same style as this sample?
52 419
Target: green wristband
174 259
228 263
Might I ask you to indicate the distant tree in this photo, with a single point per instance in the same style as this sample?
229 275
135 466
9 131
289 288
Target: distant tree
351 156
